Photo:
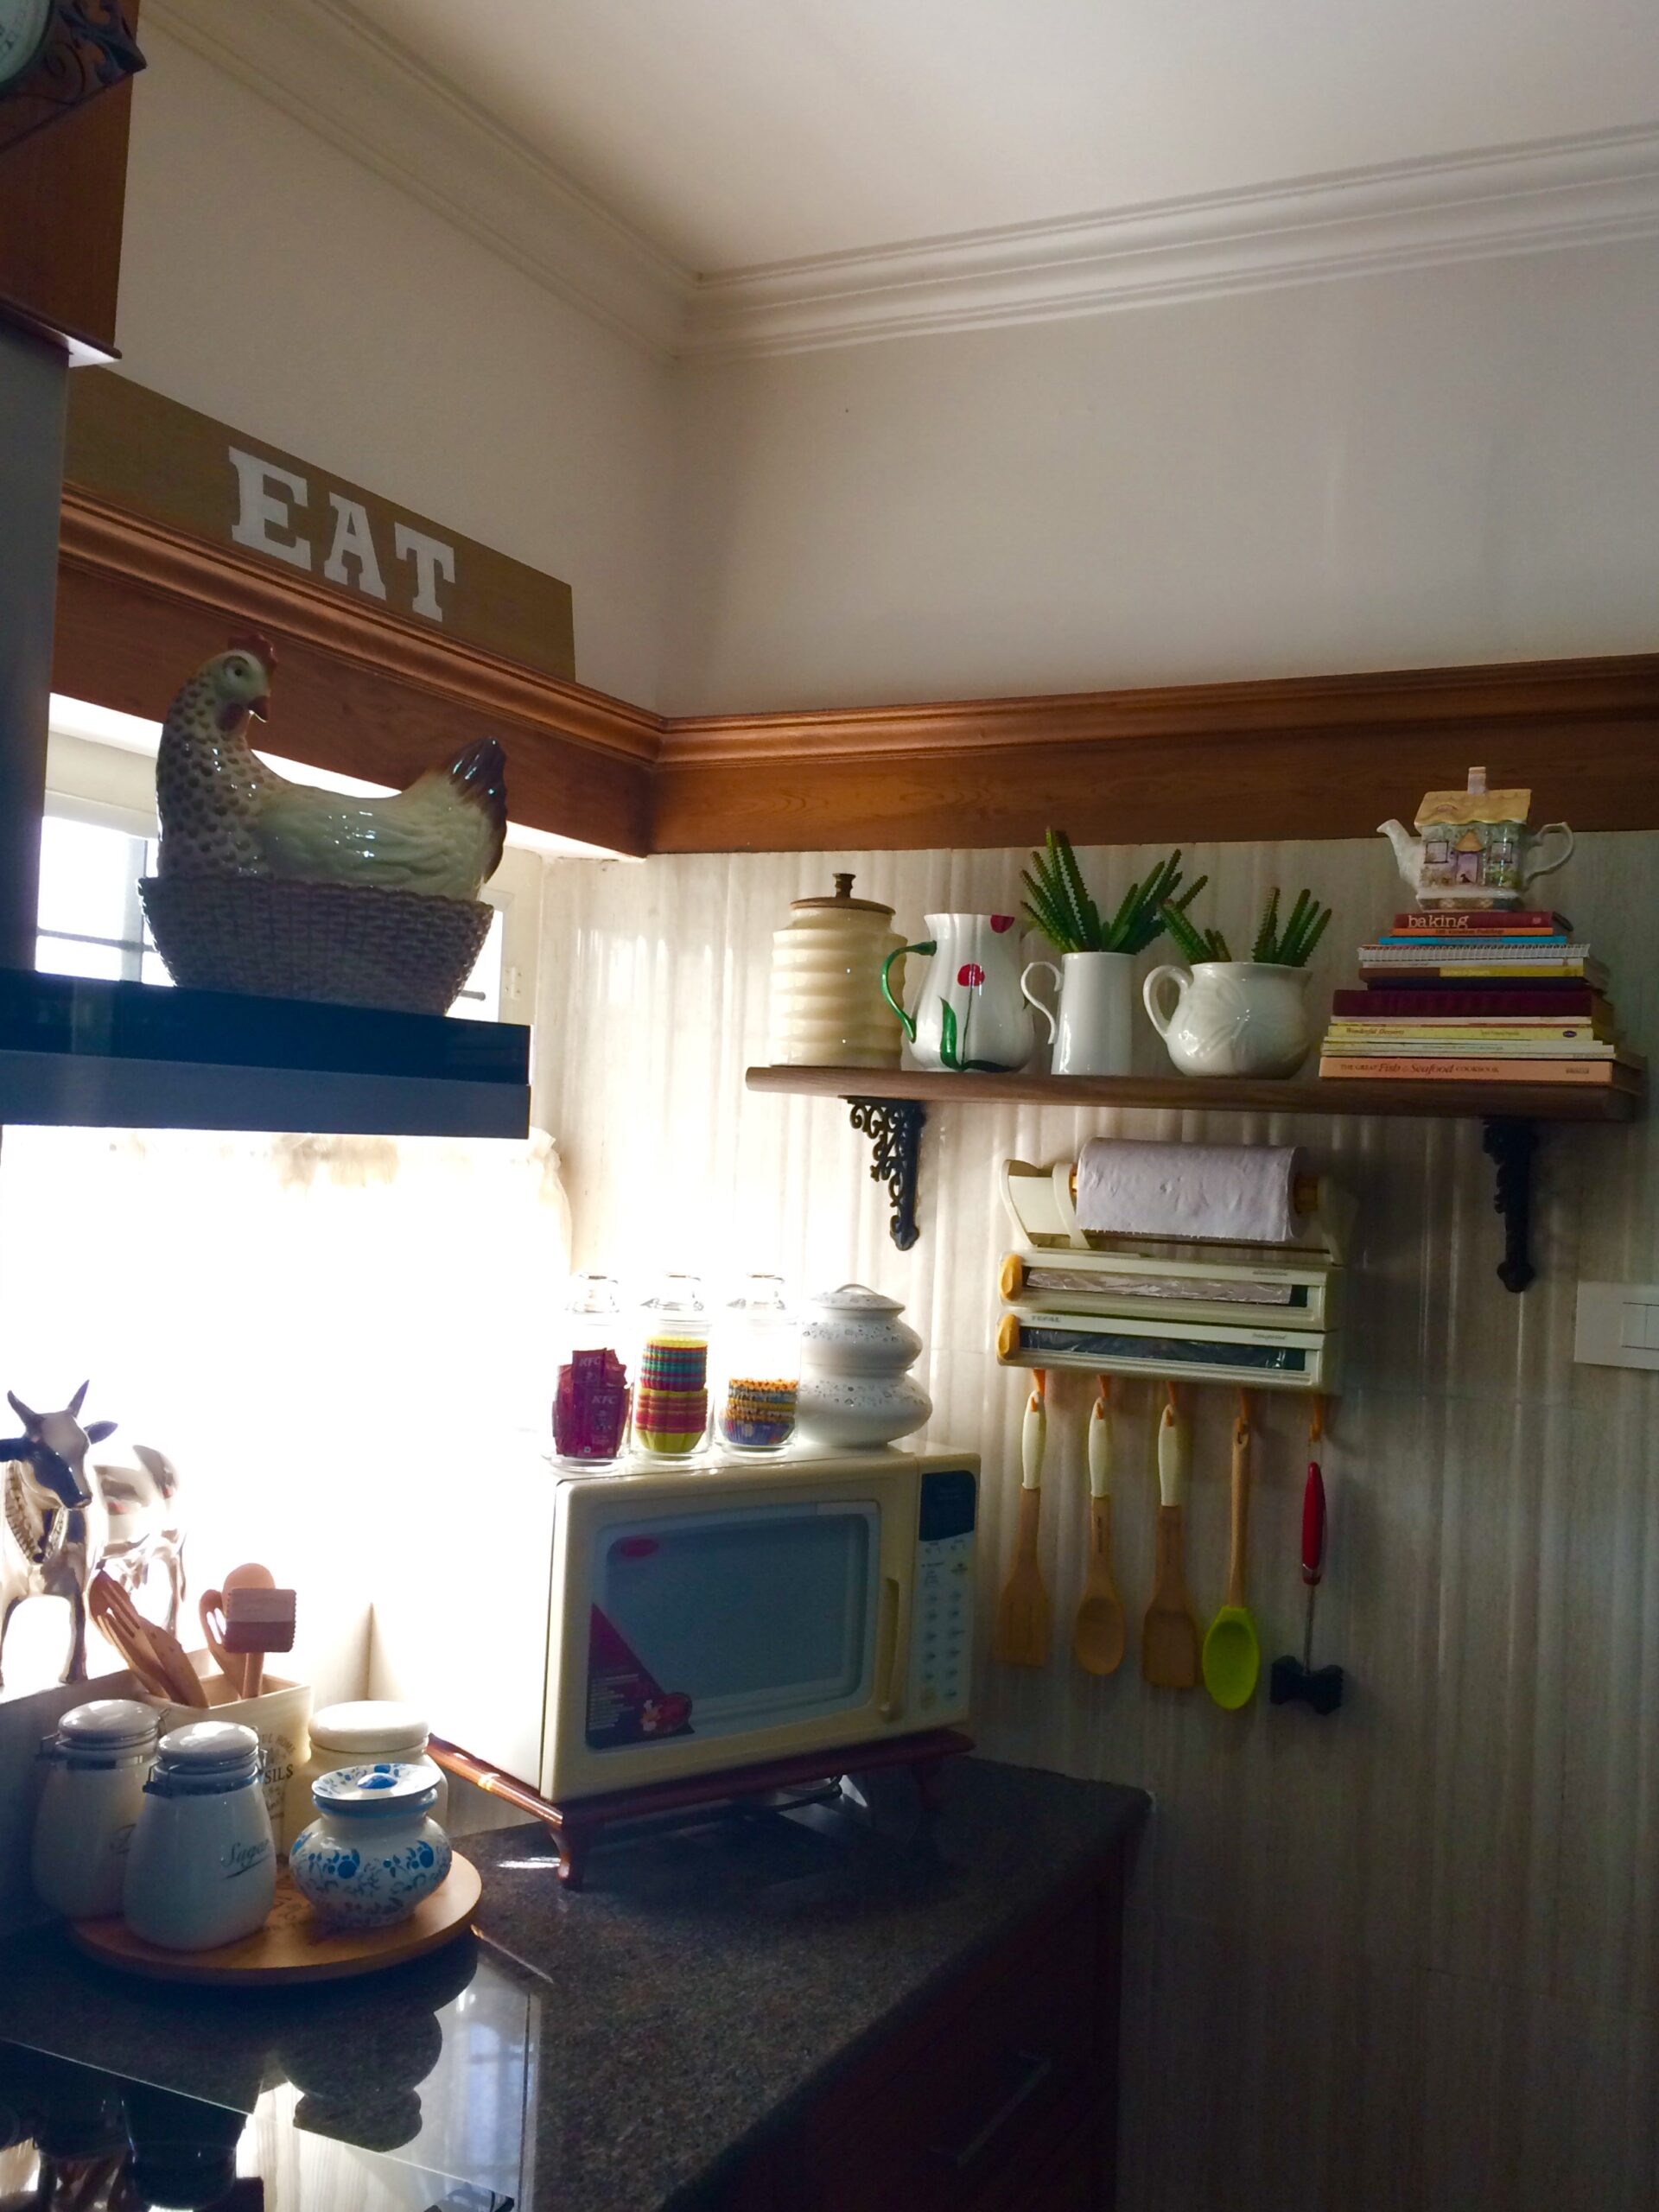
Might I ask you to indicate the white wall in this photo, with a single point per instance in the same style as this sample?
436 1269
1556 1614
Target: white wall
269 281
1441 466
1403 1957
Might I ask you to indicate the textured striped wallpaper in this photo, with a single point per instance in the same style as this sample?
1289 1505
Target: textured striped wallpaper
1405 1956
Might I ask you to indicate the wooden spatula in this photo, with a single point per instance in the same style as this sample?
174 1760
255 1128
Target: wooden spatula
1169 1641
1232 1651
1021 1634
1097 1639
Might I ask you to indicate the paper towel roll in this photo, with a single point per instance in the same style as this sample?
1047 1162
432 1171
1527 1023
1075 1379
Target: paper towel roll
1233 1193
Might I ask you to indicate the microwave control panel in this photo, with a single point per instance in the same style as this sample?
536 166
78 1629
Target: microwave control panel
942 1615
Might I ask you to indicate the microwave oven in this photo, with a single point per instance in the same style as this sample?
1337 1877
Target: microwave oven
640 1627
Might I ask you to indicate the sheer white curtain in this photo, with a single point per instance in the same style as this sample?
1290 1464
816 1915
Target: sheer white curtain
333 1338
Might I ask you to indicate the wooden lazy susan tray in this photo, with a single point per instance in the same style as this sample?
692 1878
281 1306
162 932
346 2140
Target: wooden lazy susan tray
294 1945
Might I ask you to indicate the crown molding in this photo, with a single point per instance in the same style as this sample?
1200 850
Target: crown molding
318 62
1502 200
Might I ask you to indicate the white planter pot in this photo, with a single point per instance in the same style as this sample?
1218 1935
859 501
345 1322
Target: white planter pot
1093 1030
1231 1017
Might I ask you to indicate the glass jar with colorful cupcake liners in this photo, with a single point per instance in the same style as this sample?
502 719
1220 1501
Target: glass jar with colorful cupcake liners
759 1345
671 1412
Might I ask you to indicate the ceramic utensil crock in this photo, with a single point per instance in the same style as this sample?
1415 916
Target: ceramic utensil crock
969 1015
826 983
1232 1017
99 1758
202 1868
373 1851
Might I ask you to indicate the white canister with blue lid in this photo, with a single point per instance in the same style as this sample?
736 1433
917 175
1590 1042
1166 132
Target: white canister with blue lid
99 1759
374 1851
202 1869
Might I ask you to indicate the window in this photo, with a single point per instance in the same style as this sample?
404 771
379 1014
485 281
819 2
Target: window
90 921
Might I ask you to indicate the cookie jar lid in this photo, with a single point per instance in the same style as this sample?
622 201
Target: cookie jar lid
842 903
375 1789
209 1747
109 1724
856 1298
367 1726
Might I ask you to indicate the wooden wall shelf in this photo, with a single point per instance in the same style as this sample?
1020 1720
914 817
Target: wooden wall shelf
890 1105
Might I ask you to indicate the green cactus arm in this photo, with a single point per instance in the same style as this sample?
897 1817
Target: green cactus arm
1263 947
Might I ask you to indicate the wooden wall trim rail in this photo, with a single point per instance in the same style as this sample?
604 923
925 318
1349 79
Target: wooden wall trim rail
369 693
1299 757
360 691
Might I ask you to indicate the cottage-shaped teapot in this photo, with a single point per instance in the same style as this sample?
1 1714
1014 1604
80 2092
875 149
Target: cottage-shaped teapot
1473 848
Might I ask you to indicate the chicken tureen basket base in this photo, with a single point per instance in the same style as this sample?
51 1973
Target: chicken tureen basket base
342 942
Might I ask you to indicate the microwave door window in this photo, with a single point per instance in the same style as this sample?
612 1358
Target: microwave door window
716 1624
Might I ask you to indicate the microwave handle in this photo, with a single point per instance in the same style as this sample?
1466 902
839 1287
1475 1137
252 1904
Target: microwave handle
890 1648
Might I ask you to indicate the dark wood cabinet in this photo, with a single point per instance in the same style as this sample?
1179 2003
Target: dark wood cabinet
999 2096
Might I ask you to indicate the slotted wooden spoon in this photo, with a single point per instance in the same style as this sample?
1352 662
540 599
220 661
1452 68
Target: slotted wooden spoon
1021 1635
1098 1637
1169 1639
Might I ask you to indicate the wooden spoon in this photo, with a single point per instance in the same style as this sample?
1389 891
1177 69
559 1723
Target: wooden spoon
1169 1639
1098 1637
1020 1638
1232 1650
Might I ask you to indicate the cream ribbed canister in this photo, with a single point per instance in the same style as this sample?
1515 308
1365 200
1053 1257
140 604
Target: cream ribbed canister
827 1008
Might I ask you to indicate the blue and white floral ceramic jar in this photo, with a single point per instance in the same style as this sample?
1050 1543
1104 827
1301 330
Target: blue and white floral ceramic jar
373 1851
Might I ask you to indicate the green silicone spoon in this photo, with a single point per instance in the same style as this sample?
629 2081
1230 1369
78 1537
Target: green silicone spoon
1232 1654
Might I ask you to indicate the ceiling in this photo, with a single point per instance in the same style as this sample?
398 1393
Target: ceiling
732 133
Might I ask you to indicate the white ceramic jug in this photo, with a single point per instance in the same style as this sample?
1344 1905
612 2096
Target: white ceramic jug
1232 1017
1093 1028
970 1014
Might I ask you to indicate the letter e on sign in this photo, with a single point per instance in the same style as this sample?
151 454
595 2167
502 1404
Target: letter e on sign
260 511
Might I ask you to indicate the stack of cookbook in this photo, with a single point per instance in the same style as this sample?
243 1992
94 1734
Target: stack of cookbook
1478 997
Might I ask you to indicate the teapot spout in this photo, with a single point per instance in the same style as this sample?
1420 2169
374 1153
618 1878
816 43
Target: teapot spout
1408 849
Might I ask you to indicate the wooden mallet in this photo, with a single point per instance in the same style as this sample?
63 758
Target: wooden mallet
256 1622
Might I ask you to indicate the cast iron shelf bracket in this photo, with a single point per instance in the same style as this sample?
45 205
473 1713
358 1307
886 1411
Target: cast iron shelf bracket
895 1126
1510 1145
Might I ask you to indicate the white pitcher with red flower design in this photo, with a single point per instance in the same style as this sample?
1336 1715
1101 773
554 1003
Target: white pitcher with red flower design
967 1015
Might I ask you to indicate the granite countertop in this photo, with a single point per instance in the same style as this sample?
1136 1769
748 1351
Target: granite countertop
643 2033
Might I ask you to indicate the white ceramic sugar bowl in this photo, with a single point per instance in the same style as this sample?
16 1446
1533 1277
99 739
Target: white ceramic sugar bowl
99 1758
202 1868
856 1388
373 1851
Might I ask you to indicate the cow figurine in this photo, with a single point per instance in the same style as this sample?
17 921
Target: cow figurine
142 1535
49 1542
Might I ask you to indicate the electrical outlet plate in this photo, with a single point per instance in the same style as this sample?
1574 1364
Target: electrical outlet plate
1618 1325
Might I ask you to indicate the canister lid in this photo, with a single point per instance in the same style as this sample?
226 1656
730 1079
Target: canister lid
384 1786
368 1724
209 1746
842 903
856 1298
108 1724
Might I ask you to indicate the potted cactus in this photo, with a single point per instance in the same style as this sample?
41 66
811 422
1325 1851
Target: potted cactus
1238 1017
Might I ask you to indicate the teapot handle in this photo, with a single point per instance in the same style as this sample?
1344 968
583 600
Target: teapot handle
1171 972
1046 968
1549 867
906 1022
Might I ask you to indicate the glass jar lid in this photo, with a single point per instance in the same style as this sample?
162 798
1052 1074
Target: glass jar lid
678 1297
375 1789
367 1726
598 1296
761 1298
